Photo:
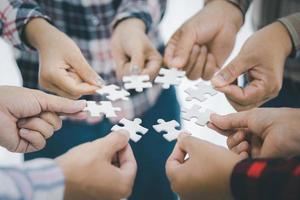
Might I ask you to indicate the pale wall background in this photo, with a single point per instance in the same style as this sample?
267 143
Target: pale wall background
178 11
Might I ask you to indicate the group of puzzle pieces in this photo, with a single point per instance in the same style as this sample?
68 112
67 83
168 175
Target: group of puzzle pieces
166 78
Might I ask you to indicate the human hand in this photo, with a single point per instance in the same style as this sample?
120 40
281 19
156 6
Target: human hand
29 117
203 43
205 174
263 132
63 69
133 51
262 57
90 171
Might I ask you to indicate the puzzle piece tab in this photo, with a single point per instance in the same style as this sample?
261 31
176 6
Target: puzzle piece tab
133 127
202 118
102 107
168 127
169 77
137 82
113 93
199 93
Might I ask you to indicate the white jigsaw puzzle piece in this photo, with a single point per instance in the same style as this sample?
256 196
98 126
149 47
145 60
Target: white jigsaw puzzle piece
202 118
102 107
114 92
199 93
168 127
169 77
137 82
133 127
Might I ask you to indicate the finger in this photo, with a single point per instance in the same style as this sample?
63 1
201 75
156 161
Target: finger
38 125
220 131
192 59
53 88
197 71
120 59
115 142
256 145
210 68
137 61
127 162
85 71
57 104
22 146
231 72
35 139
153 65
53 119
244 155
180 47
231 121
243 146
236 139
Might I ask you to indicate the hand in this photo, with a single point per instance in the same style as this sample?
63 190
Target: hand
29 117
205 174
91 174
203 43
63 69
133 51
262 132
262 57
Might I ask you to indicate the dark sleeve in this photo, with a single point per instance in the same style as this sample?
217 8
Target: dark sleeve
266 179
243 5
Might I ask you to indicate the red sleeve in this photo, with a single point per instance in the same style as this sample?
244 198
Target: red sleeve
266 179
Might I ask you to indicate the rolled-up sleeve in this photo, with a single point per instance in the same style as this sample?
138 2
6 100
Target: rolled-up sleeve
14 15
149 11
35 180
292 23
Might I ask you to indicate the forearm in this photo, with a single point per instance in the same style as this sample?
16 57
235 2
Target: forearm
292 24
35 180
266 179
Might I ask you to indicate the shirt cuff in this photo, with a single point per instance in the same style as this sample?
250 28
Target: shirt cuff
292 24
20 14
243 5
133 10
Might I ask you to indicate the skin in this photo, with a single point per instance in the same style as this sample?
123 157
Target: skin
262 57
131 47
202 44
263 132
103 177
31 117
201 176
63 69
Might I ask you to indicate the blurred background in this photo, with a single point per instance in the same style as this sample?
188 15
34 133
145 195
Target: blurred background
177 12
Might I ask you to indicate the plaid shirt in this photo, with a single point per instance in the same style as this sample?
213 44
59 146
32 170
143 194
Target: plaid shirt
266 179
89 24
39 179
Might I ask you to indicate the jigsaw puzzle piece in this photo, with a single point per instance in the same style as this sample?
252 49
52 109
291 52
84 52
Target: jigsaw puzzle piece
202 118
168 127
114 92
137 82
200 91
168 77
103 107
133 127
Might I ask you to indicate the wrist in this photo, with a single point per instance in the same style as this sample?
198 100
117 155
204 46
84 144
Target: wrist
131 24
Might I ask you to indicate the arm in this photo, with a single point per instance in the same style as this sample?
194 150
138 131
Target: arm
266 179
292 24
38 179
149 11
15 14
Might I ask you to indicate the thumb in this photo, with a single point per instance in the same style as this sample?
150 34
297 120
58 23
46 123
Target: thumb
231 121
57 104
86 72
137 61
115 142
230 73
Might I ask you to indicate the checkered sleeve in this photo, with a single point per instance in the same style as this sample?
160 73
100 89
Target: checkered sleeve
266 179
35 180
14 15
292 24
150 11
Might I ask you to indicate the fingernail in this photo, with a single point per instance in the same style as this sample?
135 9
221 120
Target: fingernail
124 132
135 70
80 104
219 80
100 82
22 122
177 61
24 131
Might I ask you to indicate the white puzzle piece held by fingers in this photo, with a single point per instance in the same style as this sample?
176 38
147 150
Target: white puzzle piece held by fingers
200 91
168 127
202 118
133 127
102 107
169 77
137 82
114 93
